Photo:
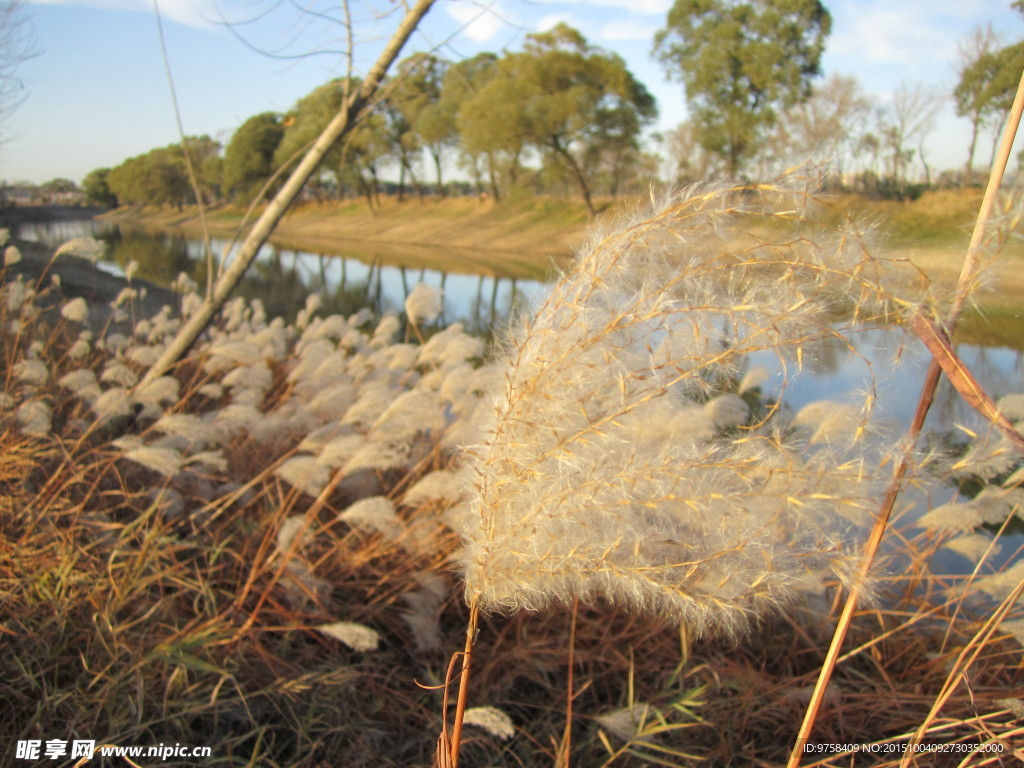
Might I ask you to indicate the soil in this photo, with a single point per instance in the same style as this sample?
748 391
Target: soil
77 277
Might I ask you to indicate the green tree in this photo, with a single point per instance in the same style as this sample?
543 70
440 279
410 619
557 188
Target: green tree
347 162
988 82
249 157
97 190
416 94
155 178
568 100
486 119
741 61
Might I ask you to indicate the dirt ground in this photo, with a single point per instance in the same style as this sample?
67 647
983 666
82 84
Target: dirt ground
78 277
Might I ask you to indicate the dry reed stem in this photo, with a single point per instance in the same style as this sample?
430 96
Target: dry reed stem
927 394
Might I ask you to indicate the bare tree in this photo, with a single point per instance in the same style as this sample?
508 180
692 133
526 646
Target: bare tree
829 124
340 126
909 120
16 47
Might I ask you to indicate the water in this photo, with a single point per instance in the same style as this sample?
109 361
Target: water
282 278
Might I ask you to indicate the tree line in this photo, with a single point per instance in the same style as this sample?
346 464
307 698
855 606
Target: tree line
562 116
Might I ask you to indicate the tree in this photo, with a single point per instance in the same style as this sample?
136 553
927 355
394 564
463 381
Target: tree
909 120
417 95
16 47
987 84
740 62
488 119
977 67
97 190
157 177
563 97
249 157
461 82
829 123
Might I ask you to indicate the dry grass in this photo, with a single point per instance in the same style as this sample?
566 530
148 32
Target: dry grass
187 607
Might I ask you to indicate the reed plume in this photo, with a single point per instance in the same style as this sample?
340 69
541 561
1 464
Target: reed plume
611 469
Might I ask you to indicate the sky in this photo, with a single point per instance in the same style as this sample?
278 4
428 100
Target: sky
98 91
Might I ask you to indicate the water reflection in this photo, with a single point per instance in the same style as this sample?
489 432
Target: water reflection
282 278
882 361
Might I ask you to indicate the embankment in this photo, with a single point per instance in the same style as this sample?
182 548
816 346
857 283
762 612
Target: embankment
537 229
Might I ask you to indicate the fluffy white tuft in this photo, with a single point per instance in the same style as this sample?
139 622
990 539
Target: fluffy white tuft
423 304
75 311
34 417
374 515
358 637
31 371
493 720
166 461
305 473
88 248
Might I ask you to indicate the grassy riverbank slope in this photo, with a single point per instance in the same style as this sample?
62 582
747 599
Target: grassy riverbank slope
530 233
933 230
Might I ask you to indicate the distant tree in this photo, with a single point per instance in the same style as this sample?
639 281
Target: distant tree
829 123
488 120
97 190
417 94
977 69
205 155
16 47
249 157
741 61
155 178
364 151
688 160
461 82
909 119
306 120
568 100
58 187
987 86
403 143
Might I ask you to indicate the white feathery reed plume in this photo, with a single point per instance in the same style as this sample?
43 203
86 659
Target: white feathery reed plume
75 311
358 637
601 477
374 515
88 248
34 417
493 720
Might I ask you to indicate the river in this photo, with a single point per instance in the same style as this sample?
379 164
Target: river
283 278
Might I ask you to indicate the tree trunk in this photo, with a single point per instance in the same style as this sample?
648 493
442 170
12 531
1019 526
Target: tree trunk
436 154
577 173
493 177
340 125
969 167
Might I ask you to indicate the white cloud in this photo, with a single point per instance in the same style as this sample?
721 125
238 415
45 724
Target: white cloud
889 33
627 30
481 22
659 7
552 20
194 13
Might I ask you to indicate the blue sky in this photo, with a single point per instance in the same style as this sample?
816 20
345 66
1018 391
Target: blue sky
98 93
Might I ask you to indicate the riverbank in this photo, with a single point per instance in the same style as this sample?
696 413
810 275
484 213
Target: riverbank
520 237
527 233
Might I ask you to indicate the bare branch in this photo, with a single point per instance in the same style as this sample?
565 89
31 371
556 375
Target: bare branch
342 124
